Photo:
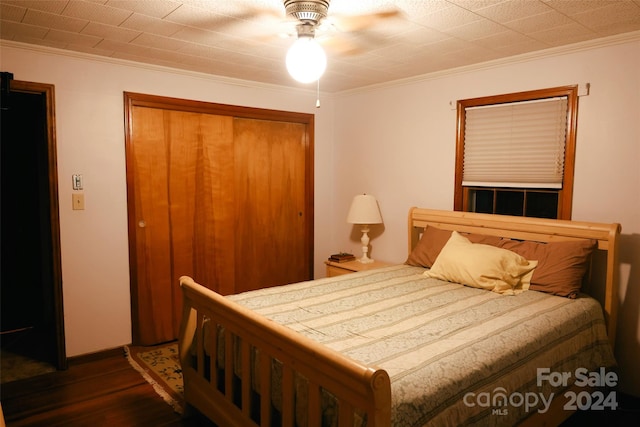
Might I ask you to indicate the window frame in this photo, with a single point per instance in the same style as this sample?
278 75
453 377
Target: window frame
565 194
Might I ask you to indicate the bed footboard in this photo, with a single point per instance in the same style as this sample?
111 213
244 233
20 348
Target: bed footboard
241 392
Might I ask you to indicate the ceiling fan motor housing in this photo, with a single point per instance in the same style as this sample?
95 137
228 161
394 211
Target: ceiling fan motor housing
307 11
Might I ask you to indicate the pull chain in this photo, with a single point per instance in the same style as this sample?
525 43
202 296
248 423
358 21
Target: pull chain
318 95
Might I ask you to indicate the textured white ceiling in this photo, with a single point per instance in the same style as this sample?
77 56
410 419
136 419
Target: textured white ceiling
248 39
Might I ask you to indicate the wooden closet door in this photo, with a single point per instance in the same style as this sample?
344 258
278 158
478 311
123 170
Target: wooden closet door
184 213
220 193
270 184
151 270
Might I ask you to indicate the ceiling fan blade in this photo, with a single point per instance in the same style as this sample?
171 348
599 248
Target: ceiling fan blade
351 23
340 45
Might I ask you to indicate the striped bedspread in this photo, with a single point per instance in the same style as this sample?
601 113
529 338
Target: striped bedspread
451 351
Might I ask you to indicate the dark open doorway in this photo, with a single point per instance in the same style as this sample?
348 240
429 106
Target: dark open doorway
31 312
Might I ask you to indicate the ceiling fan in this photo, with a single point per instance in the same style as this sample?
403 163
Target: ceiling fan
306 60
313 14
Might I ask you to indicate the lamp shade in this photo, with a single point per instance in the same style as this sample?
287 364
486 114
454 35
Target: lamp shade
306 60
364 210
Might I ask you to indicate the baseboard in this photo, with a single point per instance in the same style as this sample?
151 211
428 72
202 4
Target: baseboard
99 355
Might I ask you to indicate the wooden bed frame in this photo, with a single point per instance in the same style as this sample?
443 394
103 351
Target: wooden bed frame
355 386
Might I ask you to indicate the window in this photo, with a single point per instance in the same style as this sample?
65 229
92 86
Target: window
515 153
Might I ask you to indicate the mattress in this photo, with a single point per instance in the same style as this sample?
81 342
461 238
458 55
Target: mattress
456 355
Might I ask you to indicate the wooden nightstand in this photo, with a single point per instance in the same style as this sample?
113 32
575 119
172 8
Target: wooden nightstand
338 268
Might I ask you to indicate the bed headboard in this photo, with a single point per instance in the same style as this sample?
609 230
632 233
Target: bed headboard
536 229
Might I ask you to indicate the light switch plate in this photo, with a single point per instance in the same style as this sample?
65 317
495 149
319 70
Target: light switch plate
78 201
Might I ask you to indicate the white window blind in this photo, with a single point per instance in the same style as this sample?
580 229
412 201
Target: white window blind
519 144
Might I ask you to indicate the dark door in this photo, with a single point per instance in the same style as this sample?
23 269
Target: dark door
31 302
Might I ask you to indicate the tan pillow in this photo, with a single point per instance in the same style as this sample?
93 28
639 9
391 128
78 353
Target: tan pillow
561 265
433 240
482 266
431 243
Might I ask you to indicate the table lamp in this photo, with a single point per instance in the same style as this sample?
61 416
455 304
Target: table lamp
364 211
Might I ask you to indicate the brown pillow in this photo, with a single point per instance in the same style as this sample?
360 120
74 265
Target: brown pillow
433 240
561 265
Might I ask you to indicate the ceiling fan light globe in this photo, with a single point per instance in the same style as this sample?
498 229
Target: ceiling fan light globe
306 60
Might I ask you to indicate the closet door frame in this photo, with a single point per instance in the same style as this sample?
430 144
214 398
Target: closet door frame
132 100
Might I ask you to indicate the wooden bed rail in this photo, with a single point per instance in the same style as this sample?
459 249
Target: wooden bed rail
536 229
251 340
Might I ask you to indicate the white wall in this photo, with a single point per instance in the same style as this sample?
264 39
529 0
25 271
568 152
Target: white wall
398 143
90 141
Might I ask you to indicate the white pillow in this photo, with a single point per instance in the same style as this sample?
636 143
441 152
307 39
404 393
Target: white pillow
482 266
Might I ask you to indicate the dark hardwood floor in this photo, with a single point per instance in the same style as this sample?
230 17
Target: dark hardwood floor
104 390
101 390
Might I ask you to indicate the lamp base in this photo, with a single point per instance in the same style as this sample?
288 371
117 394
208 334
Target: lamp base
365 246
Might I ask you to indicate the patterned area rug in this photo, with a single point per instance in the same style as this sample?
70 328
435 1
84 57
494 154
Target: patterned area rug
160 366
